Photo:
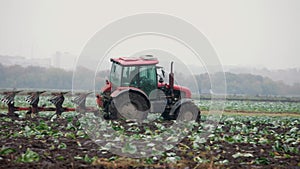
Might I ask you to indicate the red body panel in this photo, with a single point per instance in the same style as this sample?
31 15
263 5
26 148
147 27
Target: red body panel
99 100
119 90
107 87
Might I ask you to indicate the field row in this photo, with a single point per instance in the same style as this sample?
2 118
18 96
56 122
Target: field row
233 105
255 106
235 142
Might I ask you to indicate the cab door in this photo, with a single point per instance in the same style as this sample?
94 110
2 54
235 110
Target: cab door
147 78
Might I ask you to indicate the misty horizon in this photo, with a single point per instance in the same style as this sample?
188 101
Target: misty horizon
264 33
246 66
288 75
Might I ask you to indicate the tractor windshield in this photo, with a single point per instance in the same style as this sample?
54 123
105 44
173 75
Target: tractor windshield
142 77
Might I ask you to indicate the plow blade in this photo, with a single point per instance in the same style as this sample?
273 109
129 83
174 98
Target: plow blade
57 100
80 101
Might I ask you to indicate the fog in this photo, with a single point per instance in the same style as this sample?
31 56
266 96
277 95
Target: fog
245 33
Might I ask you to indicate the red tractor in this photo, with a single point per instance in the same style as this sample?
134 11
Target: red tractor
136 88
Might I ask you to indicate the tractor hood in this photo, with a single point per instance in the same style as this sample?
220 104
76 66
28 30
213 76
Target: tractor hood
186 90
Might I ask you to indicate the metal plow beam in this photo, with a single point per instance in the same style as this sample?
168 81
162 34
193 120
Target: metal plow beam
57 100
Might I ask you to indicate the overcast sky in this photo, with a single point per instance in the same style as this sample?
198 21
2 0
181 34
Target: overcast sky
254 32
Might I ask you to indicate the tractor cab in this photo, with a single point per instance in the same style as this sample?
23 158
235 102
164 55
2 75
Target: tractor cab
134 72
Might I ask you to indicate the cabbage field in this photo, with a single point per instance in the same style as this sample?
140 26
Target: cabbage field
255 106
249 135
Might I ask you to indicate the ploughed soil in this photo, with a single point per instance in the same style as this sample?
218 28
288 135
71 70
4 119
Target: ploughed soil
53 156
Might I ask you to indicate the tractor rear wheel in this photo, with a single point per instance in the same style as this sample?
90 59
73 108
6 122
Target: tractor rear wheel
188 112
131 106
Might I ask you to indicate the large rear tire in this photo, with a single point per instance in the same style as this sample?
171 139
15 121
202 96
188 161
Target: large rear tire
188 112
130 106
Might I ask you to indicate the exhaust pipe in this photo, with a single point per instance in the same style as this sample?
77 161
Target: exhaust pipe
171 80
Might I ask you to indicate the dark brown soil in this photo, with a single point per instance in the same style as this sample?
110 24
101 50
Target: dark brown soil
53 157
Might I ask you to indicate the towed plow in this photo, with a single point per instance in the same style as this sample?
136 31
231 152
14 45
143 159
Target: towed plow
135 88
57 99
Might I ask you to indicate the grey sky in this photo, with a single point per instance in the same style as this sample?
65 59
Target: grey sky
253 32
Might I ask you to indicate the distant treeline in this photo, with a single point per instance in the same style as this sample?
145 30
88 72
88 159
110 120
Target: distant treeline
247 84
34 77
54 78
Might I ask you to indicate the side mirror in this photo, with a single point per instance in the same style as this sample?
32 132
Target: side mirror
161 80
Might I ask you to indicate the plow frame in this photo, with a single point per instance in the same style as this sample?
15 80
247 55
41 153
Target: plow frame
57 100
